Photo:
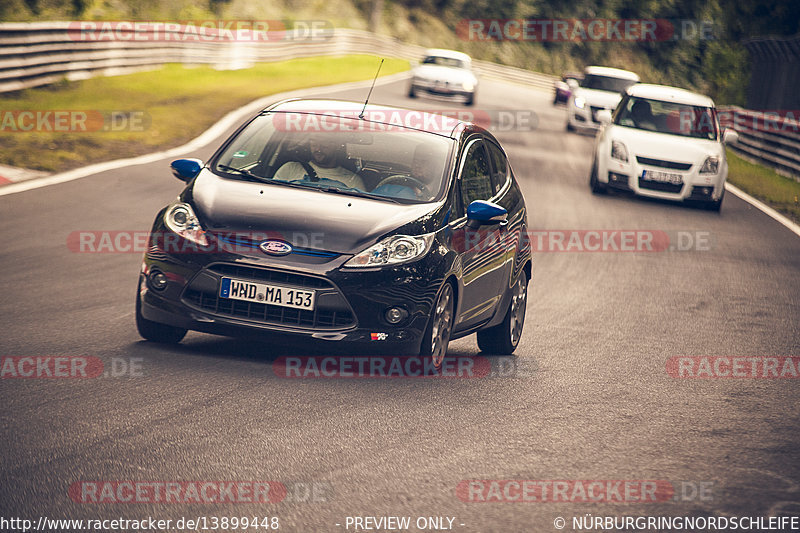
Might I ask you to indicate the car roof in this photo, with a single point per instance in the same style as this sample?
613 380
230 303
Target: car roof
426 121
669 94
441 52
612 73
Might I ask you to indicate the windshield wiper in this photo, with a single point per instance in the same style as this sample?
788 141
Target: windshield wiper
243 172
335 190
353 192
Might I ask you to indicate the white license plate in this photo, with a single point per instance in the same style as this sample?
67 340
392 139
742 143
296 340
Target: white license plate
262 293
663 177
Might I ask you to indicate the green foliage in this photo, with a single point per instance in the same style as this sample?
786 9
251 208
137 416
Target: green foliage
179 103
765 184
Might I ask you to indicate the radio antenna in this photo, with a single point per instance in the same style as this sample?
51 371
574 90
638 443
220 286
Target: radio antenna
361 115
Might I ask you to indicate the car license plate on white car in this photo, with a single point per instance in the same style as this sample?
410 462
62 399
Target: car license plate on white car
662 177
266 294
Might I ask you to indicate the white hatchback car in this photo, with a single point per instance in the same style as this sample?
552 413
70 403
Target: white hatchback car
663 142
444 73
601 88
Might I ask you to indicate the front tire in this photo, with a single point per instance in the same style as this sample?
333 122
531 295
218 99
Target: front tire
154 331
594 183
504 338
440 327
411 92
470 101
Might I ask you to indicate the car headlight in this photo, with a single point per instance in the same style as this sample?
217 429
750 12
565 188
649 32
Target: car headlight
393 250
580 102
468 85
711 165
618 151
181 219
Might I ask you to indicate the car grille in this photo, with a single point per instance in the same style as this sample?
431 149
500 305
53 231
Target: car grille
660 186
335 315
674 165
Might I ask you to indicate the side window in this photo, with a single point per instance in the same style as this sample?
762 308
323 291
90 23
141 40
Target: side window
475 181
499 167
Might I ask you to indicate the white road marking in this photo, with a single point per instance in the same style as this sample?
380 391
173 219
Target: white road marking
764 207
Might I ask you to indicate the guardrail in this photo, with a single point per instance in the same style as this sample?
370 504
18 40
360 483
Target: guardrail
40 53
766 137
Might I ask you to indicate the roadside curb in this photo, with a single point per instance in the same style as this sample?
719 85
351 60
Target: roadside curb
9 174
758 204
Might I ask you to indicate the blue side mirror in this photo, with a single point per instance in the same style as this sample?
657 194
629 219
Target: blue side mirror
186 169
483 212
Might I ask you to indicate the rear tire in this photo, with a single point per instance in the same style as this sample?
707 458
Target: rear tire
594 183
570 127
155 331
504 338
440 327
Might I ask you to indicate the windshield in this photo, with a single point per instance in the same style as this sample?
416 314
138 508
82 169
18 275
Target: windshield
339 156
444 61
668 117
606 83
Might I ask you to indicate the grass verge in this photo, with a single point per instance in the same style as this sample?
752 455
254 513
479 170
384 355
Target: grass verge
156 110
779 192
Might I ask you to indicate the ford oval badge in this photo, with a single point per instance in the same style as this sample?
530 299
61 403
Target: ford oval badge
275 248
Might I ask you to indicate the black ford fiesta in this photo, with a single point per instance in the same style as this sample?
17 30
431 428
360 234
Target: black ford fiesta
371 227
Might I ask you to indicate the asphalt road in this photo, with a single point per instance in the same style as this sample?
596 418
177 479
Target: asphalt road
591 398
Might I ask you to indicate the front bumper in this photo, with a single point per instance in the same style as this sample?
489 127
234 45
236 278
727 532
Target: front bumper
350 305
442 89
693 186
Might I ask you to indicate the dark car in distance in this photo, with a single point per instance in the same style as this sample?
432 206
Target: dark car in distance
370 227
562 89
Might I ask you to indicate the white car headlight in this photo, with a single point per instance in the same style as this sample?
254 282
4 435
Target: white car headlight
181 219
619 151
580 102
711 165
468 85
393 250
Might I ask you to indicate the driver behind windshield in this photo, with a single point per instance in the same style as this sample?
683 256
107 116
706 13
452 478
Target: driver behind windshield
642 115
326 152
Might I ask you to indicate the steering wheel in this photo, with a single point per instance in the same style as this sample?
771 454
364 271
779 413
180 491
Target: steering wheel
404 180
